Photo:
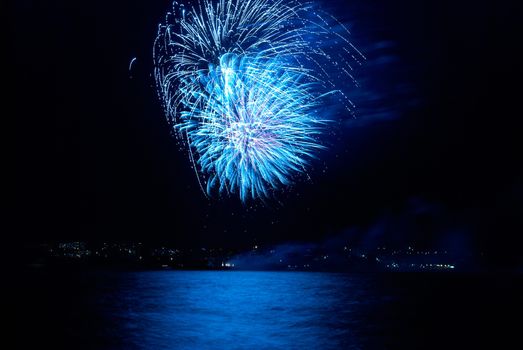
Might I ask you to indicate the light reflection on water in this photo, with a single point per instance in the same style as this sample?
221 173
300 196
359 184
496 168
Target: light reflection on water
114 309
233 310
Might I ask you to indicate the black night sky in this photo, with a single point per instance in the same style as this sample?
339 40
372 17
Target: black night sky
433 156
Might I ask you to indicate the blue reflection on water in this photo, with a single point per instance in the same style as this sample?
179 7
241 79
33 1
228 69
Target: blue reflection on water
232 310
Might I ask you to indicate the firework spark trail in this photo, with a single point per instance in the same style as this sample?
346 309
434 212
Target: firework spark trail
242 83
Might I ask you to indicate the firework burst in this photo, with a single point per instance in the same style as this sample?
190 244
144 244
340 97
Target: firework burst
242 83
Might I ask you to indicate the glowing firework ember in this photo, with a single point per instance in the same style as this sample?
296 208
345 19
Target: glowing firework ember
243 83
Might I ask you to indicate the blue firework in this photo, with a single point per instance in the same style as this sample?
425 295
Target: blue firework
242 83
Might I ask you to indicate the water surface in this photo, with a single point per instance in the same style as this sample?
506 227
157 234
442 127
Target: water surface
264 310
